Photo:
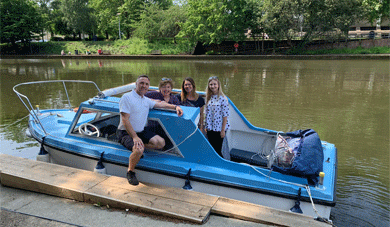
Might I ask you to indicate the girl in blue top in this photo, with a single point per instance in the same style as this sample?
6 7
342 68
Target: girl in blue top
216 114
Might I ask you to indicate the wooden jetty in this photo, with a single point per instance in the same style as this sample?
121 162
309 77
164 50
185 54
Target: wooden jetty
87 186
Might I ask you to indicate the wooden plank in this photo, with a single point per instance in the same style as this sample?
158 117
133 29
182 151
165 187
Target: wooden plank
131 197
13 181
82 185
47 178
164 191
261 214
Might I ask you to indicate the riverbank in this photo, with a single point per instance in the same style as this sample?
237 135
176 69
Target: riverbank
207 57
136 47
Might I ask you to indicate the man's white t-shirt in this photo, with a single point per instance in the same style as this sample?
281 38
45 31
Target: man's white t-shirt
138 107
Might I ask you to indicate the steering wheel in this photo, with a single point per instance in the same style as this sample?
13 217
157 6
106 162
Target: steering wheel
84 129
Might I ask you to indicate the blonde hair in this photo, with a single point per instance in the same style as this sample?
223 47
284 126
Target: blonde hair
184 94
209 93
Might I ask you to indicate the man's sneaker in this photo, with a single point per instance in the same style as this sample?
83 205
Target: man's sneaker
132 178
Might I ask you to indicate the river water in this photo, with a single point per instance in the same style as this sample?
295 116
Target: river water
345 101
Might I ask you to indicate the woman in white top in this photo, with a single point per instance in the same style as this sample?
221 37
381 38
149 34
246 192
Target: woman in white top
216 114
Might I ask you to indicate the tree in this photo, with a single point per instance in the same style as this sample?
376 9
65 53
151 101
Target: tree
173 17
106 16
213 21
255 25
155 22
376 10
130 14
19 20
78 16
344 14
282 19
164 4
308 19
147 27
44 11
57 23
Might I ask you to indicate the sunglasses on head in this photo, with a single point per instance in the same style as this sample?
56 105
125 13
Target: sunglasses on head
213 78
165 79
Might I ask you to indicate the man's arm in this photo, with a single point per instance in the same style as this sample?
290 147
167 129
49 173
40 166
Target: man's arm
165 105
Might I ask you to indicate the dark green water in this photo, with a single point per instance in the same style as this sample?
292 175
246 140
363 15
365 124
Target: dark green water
345 101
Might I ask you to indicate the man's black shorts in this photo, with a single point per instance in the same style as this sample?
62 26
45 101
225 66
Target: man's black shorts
125 139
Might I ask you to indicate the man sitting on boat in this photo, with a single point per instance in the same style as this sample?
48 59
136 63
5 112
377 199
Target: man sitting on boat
132 130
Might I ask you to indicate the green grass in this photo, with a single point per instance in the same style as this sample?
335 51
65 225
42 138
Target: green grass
134 46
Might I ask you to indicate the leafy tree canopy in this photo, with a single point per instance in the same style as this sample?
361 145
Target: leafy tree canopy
155 22
376 9
213 21
20 20
78 15
310 19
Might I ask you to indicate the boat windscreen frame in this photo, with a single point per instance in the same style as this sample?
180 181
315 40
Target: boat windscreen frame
26 101
73 129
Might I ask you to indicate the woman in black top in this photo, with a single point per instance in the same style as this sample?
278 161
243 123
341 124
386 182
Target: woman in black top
189 97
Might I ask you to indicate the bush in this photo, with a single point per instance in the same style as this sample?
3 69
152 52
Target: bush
133 46
70 38
54 38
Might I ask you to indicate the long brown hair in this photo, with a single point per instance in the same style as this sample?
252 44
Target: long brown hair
184 93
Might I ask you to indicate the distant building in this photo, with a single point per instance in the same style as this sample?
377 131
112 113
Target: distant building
357 30
363 29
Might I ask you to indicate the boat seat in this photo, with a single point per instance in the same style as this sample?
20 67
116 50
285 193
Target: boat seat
249 157
113 138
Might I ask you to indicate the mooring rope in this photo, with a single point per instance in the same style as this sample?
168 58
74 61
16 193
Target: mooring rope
298 185
21 119
176 146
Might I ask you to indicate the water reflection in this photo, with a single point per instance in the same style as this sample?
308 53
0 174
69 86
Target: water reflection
346 102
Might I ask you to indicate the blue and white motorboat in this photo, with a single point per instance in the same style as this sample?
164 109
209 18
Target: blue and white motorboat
85 138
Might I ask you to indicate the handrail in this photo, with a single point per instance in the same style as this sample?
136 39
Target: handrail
26 102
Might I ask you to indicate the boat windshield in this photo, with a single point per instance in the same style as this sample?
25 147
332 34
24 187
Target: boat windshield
102 125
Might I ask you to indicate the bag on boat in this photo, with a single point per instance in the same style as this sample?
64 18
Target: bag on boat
298 153
283 155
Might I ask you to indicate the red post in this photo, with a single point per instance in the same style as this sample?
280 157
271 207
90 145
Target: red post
236 46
